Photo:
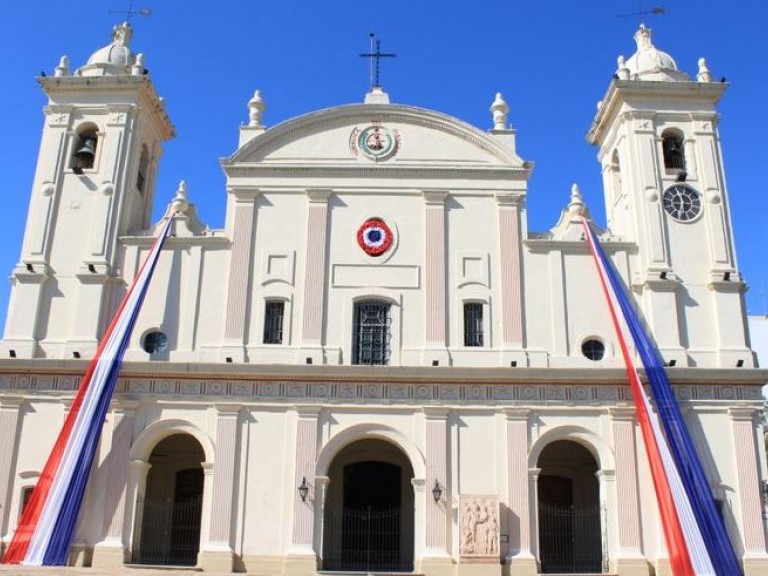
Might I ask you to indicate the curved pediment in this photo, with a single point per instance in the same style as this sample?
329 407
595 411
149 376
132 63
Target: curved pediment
366 134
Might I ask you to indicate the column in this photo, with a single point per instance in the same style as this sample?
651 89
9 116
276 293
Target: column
240 273
304 510
437 513
217 553
509 258
435 320
629 555
419 518
136 490
747 466
314 276
10 409
519 553
111 550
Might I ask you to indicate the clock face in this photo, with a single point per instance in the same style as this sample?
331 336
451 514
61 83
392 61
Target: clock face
682 202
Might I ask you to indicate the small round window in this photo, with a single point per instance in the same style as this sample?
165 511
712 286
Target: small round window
593 349
155 342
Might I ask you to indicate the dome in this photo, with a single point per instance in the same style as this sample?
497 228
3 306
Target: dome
649 63
113 59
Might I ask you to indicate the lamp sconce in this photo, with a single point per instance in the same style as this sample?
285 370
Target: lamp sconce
303 489
437 491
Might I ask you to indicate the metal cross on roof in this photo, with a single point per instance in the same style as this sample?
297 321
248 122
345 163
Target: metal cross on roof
130 13
375 59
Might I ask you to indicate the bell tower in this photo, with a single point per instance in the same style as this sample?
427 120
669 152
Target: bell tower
665 191
102 140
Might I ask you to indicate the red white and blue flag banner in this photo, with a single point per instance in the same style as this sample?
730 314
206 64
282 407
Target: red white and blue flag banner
696 539
45 531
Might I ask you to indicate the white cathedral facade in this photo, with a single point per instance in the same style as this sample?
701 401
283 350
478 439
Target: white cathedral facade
375 366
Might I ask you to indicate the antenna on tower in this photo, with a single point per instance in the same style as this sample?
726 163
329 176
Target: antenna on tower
131 12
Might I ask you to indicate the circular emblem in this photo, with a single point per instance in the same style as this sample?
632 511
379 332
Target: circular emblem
682 202
375 142
374 237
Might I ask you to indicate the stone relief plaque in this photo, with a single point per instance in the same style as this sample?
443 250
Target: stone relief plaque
479 535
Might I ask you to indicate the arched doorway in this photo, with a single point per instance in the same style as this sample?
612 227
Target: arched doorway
570 514
369 521
171 505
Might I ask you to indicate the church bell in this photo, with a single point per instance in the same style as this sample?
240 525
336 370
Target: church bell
87 150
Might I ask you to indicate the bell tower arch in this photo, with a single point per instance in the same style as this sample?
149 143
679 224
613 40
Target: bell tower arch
664 185
102 140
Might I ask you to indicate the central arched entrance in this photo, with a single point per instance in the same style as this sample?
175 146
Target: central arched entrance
570 515
171 506
368 524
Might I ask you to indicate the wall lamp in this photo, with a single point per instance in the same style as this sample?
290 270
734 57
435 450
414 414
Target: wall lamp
303 489
437 491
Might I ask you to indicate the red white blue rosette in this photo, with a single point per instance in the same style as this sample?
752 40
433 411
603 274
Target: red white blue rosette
374 237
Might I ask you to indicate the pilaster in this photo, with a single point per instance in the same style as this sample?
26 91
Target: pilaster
217 553
240 273
10 412
111 551
747 466
437 513
511 275
314 276
519 518
435 322
627 517
304 509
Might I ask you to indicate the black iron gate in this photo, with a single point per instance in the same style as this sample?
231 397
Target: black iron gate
170 532
571 539
368 540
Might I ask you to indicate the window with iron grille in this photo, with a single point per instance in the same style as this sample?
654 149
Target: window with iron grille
473 324
371 334
273 322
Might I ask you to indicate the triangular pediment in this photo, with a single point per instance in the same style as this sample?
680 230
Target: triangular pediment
384 135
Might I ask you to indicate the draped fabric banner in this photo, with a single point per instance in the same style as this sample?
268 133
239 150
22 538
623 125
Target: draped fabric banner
696 538
45 531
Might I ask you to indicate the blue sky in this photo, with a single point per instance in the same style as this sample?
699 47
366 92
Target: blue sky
551 60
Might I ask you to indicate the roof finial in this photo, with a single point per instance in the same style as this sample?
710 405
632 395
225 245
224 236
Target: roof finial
375 60
704 75
180 202
576 205
256 107
499 109
63 68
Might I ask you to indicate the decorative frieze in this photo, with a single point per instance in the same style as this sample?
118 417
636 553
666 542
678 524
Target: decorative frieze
291 390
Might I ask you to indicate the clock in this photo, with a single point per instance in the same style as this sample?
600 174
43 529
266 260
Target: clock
682 202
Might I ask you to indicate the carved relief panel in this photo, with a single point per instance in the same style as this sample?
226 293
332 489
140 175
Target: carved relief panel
479 532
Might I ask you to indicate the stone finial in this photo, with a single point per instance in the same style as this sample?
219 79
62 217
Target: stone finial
256 107
499 109
622 72
576 205
704 75
138 66
63 68
180 203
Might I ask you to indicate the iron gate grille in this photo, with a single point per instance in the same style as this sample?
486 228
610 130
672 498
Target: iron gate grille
367 540
571 539
371 333
170 532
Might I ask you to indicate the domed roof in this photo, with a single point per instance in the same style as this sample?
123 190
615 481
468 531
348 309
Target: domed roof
113 59
649 63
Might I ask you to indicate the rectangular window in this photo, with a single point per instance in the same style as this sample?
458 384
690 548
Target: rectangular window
371 333
473 324
273 322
